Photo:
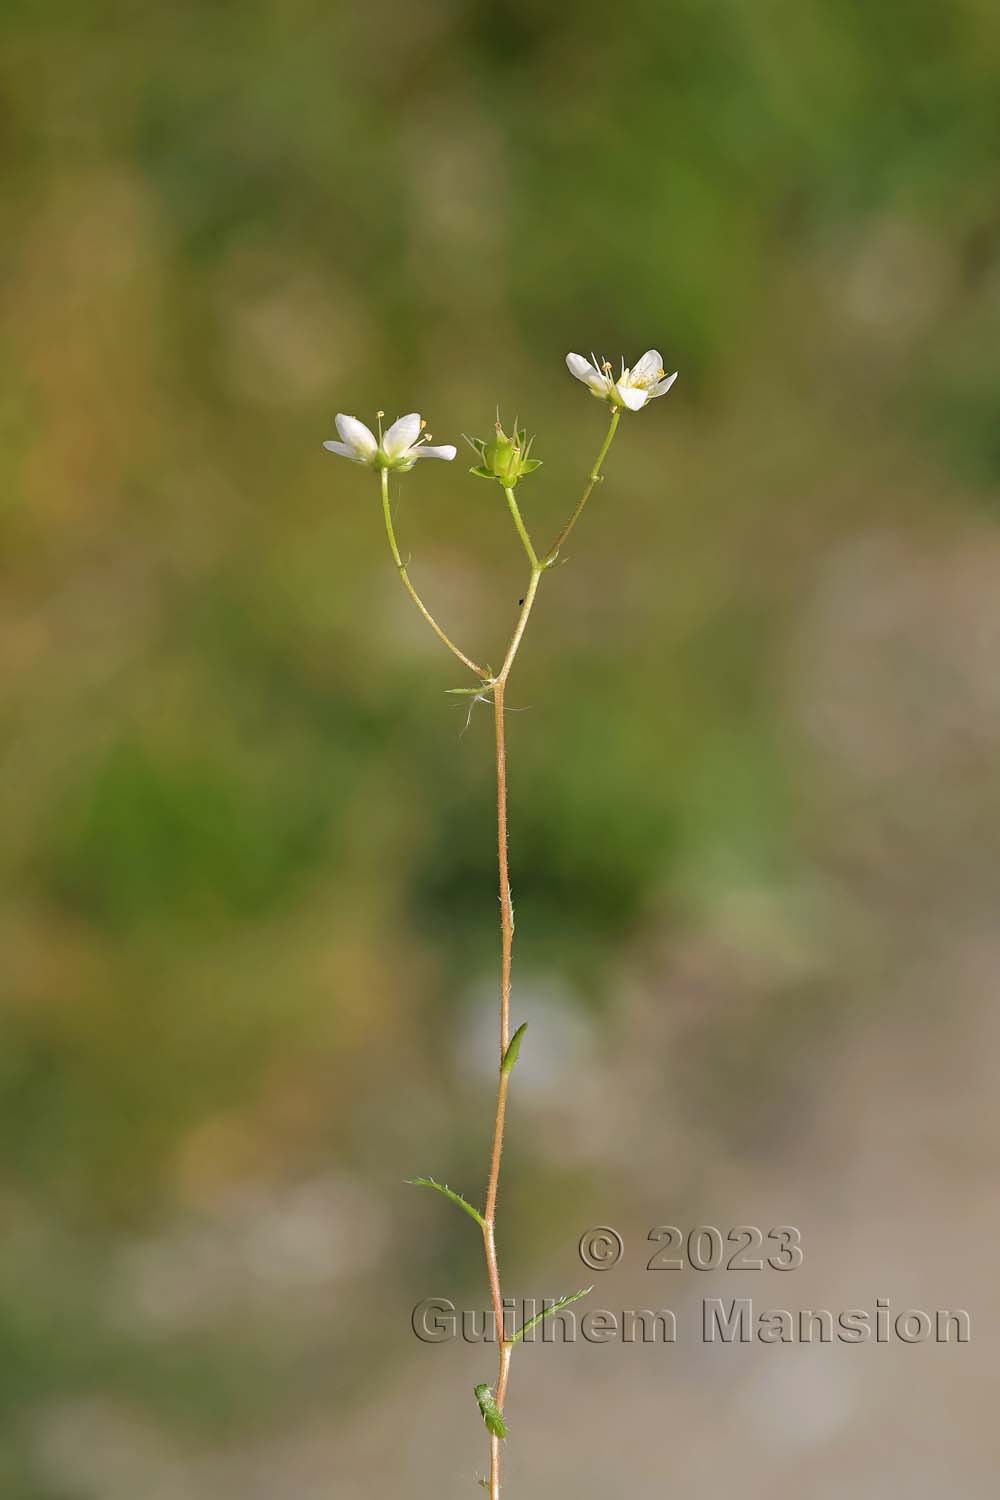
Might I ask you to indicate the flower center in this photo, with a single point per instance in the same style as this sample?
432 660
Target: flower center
645 382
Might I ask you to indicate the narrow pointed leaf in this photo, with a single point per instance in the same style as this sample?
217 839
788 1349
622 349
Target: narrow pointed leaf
510 1056
447 1192
547 1312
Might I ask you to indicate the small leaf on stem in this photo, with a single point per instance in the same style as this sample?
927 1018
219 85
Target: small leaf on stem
447 1192
492 1415
547 1312
510 1056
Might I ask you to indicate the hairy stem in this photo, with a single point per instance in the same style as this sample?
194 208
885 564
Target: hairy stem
401 569
519 628
498 685
538 567
503 1079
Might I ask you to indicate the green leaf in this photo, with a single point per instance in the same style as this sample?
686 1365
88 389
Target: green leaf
529 465
447 1192
547 1312
510 1056
492 1415
483 473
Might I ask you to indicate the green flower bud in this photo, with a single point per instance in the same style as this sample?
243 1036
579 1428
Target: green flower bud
505 459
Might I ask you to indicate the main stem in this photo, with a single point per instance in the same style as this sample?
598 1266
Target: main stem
497 685
538 567
496 1151
503 1078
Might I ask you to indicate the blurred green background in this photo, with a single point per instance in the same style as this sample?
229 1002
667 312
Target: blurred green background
248 927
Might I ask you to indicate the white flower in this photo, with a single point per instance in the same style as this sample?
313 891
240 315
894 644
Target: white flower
397 448
633 388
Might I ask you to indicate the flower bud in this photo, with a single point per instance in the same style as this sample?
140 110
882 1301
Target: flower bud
505 459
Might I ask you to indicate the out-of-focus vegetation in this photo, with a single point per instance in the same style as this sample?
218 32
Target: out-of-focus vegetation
249 888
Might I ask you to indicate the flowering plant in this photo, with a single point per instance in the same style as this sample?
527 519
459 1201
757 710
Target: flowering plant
507 460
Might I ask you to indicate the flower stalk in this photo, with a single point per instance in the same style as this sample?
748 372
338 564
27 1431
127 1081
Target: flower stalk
404 575
593 478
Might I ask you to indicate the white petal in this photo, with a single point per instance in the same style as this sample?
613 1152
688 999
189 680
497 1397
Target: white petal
580 367
632 398
341 448
663 386
648 367
447 450
587 370
401 435
357 437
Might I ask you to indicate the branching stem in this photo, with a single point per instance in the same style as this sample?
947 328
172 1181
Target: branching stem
498 686
505 1346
